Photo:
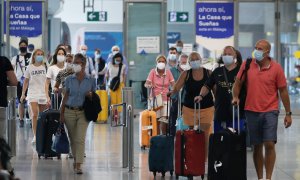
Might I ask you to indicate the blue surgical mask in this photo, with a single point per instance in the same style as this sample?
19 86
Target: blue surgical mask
39 58
172 57
115 52
117 62
258 55
227 60
179 49
195 64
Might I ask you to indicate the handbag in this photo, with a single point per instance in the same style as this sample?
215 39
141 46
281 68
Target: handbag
60 143
157 101
115 82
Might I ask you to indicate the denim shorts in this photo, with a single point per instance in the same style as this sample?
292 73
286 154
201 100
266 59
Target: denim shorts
262 126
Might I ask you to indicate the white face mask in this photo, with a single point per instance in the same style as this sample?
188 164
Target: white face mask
83 52
185 67
77 68
60 58
195 64
161 65
115 52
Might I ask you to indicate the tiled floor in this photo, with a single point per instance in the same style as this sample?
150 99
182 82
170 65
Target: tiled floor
103 161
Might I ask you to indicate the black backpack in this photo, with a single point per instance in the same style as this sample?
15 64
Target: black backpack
92 107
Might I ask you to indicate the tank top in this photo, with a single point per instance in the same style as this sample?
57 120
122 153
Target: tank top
192 89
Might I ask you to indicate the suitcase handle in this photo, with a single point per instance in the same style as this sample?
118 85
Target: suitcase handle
55 97
238 117
195 114
179 104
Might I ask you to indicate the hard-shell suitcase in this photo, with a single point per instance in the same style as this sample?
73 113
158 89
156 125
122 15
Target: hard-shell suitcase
103 115
190 151
227 158
161 152
47 124
148 127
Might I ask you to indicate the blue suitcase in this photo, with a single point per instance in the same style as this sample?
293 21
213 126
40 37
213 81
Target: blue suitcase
161 153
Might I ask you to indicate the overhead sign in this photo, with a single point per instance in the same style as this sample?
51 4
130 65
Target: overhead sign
215 20
178 16
215 25
97 16
148 44
25 18
172 37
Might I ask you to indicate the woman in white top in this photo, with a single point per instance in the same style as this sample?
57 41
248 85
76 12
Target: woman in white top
112 72
35 77
57 65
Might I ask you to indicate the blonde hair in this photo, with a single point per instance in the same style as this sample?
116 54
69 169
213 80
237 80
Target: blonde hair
161 56
34 54
194 53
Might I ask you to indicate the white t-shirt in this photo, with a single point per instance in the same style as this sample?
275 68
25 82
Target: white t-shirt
113 71
52 73
19 67
37 79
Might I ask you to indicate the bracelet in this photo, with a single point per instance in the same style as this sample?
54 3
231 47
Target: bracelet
201 96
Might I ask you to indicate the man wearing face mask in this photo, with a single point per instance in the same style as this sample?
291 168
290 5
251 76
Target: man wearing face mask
172 57
182 65
221 82
19 63
114 50
89 68
100 69
265 78
179 47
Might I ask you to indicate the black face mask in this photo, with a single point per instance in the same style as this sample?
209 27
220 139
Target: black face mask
23 49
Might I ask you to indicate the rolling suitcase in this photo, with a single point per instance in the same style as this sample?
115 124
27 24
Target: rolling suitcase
190 151
227 158
47 124
147 127
103 115
161 152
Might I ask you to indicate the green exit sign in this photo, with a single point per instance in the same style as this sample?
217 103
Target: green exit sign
178 16
97 16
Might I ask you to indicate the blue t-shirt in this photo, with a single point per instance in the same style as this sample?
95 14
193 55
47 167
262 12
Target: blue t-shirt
77 90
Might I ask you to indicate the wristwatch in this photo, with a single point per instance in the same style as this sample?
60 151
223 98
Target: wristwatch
288 113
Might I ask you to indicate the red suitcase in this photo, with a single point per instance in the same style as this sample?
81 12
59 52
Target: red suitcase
190 152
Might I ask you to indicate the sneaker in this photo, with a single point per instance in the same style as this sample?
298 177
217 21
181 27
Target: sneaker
164 120
21 123
33 140
70 155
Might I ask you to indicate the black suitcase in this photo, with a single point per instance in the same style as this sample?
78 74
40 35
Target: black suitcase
227 158
47 124
161 152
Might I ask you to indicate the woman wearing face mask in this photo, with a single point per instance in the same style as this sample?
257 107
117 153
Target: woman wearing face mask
77 87
100 68
223 87
112 71
57 65
160 79
192 81
35 77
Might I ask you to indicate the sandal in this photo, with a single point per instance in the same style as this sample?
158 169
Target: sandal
78 171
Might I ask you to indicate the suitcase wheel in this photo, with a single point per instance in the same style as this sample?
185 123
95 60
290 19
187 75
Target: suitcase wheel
190 177
59 156
163 174
177 176
171 173
154 173
143 147
202 177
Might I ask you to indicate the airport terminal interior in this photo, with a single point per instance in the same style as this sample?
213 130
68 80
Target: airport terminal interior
142 30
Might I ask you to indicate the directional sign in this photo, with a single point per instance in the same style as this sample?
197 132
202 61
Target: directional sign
97 16
93 16
178 16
